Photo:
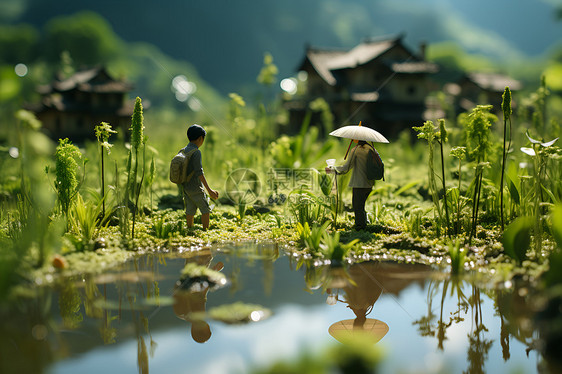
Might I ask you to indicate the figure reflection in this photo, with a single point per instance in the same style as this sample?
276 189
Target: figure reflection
361 286
190 296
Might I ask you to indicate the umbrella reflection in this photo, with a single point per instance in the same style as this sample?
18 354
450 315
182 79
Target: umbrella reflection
361 285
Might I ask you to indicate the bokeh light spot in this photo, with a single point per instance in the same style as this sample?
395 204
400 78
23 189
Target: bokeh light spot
194 104
289 85
14 152
183 88
21 70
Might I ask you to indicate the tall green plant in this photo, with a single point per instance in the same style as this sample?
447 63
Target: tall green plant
459 153
427 132
506 107
33 227
150 179
137 139
442 140
103 132
477 130
66 170
539 152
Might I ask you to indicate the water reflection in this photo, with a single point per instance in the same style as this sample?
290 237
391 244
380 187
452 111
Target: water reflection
190 296
142 305
360 286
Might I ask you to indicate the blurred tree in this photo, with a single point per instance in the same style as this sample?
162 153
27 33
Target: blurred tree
66 65
455 61
18 43
87 36
269 71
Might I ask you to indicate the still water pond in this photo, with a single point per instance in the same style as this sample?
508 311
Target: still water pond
137 318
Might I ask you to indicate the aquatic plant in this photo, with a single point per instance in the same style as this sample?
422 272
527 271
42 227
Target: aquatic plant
334 250
193 273
238 312
506 108
457 255
311 237
103 132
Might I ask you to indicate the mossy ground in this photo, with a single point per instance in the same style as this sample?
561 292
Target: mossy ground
388 238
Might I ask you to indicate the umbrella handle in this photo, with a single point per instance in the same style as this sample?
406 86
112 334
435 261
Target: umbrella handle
351 141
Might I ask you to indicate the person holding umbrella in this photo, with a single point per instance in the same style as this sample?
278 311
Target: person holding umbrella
359 182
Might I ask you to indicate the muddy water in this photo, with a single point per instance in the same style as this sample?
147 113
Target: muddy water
137 317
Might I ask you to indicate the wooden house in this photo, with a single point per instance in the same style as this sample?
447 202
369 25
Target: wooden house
72 107
379 82
480 88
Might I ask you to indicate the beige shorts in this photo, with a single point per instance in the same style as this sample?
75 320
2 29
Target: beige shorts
194 200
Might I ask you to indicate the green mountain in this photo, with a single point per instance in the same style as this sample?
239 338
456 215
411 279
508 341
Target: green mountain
226 40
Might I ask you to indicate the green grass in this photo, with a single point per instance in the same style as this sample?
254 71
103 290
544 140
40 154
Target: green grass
407 212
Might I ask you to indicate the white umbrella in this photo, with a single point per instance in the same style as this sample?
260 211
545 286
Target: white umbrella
358 132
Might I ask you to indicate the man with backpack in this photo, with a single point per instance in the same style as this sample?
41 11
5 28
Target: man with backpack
192 178
362 180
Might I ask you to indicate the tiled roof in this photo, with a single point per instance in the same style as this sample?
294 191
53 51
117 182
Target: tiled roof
91 80
494 82
415 67
369 97
321 61
326 61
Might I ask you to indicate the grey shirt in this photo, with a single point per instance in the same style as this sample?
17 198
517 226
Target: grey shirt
358 162
195 165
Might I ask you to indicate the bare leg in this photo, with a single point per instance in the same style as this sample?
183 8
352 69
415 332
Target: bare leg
189 219
205 220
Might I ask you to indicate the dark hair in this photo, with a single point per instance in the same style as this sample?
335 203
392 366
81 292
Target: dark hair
195 131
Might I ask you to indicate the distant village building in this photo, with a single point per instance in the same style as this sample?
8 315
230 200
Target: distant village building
479 88
72 107
379 82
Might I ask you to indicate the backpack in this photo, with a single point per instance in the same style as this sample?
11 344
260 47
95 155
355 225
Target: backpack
375 166
178 167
